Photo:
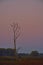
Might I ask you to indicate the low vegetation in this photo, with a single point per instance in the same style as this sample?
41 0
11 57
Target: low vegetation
21 61
7 58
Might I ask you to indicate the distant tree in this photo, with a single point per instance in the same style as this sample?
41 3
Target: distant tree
16 31
34 53
2 51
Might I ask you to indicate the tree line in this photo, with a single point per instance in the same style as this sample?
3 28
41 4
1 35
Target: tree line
11 52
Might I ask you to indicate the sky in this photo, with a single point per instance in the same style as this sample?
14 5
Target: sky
29 15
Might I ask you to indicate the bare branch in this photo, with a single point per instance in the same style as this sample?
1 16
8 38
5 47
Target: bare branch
16 27
17 36
19 49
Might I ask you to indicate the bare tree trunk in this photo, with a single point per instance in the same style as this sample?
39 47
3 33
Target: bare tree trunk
14 44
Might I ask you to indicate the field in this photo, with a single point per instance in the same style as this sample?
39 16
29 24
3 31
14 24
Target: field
21 61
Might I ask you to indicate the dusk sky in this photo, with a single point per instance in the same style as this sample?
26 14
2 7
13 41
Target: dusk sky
29 15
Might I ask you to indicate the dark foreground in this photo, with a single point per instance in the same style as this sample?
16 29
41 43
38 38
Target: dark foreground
21 61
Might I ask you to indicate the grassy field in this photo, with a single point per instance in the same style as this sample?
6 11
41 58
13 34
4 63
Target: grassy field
21 61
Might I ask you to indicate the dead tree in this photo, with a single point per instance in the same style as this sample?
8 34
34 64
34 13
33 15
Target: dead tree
16 31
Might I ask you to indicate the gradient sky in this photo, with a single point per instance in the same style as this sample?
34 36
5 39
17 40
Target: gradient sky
29 14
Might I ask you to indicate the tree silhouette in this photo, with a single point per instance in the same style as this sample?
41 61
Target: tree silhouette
16 31
34 53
